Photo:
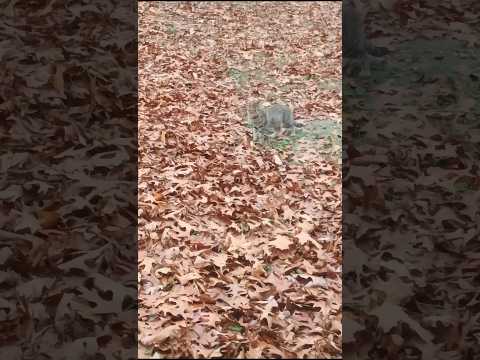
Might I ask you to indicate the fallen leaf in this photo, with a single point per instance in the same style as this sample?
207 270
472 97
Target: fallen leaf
281 242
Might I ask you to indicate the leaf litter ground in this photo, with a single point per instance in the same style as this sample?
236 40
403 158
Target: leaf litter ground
411 228
239 244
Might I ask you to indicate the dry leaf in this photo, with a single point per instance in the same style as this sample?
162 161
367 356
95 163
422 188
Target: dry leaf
281 242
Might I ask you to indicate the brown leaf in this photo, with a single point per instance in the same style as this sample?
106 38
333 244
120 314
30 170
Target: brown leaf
282 242
58 82
48 219
159 336
189 277
219 260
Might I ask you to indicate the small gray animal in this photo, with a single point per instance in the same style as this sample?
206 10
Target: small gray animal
275 117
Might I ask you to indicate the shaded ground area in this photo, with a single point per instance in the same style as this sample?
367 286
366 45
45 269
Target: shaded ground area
411 228
317 139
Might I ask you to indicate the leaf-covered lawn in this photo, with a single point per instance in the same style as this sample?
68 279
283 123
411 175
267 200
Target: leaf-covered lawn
240 244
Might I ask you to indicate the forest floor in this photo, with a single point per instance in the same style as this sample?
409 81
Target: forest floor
239 243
